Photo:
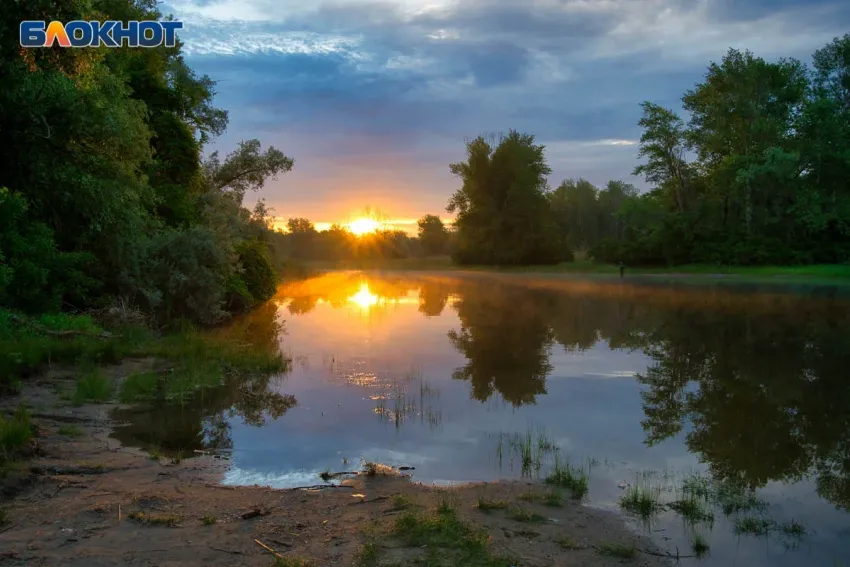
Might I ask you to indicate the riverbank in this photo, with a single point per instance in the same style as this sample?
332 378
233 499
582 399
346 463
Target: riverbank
83 499
820 274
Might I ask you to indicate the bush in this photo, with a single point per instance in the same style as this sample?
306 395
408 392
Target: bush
34 275
257 273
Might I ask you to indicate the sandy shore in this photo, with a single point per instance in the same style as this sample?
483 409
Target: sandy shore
87 501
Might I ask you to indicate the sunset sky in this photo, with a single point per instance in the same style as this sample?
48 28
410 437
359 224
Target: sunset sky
373 100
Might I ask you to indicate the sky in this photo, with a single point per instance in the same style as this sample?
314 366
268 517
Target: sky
374 99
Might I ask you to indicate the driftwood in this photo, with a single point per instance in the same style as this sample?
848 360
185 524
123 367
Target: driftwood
230 551
319 486
269 549
370 500
254 513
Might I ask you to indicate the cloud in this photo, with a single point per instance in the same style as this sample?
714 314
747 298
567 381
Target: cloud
374 99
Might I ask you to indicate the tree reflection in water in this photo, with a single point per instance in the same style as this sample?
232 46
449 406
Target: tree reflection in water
203 422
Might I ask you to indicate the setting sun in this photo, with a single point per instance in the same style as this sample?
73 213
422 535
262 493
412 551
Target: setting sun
363 225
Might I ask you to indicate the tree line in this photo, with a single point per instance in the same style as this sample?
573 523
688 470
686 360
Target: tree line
758 174
104 195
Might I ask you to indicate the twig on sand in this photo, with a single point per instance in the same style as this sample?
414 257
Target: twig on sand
666 554
269 549
320 486
367 501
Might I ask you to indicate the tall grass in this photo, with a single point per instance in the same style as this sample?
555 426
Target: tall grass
15 433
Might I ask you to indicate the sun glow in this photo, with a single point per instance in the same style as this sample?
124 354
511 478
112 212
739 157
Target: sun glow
364 298
363 225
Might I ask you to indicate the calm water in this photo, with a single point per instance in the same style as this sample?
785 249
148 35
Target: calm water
430 372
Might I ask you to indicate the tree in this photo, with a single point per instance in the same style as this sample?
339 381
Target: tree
576 213
663 145
503 216
432 235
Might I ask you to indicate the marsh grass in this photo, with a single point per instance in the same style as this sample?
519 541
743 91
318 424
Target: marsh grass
92 386
693 509
574 478
754 525
733 497
15 432
209 520
401 502
643 498
368 554
793 529
616 549
699 545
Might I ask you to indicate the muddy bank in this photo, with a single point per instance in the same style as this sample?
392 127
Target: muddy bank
84 500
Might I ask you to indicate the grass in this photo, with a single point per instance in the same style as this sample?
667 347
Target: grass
552 497
15 432
401 502
446 539
573 478
643 498
70 431
793 529
486 505
209 520
615 549
368 554
694 509
522 515
168 520
700 545
532 448
753 525
733 497
92 386
569 544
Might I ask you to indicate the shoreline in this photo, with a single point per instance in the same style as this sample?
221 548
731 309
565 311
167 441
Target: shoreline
86 500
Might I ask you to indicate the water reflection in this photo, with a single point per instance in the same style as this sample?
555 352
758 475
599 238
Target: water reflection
754 385
204 421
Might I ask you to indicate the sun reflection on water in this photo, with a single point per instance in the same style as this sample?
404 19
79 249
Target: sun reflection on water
364 298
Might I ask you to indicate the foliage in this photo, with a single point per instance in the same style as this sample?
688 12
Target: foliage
433 235
107 193
503 216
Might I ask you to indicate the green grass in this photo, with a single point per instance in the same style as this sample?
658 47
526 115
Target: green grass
754 525
70 431
401 502
568 543
694 509
830 273
553 497
615 549
643 498
446 539
793 529
209 520
733 497
700 545
573 478
15 433
92 386
168 520
486 505
368 554
522 515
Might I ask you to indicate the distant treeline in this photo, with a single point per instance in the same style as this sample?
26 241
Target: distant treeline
301 241
760 174
104 196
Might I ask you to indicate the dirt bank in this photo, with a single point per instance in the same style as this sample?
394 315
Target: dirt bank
84 500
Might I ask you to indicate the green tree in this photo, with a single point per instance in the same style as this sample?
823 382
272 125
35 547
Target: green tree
432 235
503 216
